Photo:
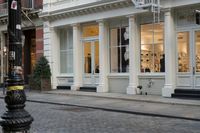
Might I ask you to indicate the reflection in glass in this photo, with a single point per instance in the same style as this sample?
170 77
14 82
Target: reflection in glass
183 51
197 43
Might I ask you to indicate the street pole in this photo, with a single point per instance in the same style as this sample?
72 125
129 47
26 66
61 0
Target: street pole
16 118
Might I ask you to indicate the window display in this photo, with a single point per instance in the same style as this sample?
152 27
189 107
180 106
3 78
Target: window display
119 49
197 40
152 48
183 51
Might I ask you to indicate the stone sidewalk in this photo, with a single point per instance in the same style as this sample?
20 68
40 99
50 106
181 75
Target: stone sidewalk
135 104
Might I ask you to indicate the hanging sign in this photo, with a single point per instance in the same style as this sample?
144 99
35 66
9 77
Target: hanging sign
14 5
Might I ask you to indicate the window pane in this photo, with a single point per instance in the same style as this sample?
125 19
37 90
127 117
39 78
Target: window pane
159 58
87 57
96 57
152 48
125 49
91 30
66 62
63 39
125 58
66 48
70 39
113 37
197 40
125 36
146 58
183 52
119 50
114 60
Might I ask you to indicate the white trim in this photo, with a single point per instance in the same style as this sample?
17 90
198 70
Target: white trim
118 75
89 39
64 76
158 75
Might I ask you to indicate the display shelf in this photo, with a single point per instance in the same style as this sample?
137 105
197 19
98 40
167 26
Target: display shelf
183 62
150 62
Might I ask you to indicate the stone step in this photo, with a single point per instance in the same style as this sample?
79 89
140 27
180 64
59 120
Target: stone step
63 87
186 96
88 89
187 91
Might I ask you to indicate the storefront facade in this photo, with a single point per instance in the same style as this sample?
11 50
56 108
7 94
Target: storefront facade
113 47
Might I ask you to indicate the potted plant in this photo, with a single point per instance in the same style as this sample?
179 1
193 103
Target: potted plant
42 74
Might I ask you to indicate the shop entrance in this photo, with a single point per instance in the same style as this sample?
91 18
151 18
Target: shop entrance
91 62
29 53
188 59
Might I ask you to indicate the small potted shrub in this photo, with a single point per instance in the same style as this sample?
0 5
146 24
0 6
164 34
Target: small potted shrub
42 74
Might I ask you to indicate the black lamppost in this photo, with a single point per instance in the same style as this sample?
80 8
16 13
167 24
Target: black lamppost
16 118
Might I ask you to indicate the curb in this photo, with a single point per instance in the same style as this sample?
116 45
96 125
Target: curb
114 110
117 110
125 99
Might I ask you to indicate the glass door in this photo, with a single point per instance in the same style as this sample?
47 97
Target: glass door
91 62
188 59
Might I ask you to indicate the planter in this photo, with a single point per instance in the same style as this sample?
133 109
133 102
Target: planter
33 83
45 84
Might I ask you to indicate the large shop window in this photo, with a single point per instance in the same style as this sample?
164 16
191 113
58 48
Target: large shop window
119 50
152 48
66 51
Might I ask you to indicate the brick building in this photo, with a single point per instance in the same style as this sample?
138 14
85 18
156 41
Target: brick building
32 36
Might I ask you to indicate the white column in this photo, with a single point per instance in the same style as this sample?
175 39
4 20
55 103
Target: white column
103 43
134 55
77 58
169 37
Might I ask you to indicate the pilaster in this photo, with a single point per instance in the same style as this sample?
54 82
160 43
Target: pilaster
134 55
54 55
103 43
170 47
77 60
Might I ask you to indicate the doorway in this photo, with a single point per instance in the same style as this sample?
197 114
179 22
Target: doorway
91 63
188 59
29 53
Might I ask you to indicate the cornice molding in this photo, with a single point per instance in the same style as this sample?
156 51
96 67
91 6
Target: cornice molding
72 12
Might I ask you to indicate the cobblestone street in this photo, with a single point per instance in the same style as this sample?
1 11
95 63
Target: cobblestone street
49 118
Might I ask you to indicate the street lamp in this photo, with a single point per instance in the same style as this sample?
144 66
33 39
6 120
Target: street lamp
16 118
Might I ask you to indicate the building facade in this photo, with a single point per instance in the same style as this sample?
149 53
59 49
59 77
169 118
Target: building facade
113 46
32 37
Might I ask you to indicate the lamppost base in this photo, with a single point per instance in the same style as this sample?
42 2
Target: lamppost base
16 118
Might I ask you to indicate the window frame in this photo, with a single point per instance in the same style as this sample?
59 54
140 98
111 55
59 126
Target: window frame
152 45
119 47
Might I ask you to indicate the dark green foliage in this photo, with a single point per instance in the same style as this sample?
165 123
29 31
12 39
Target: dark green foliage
41 70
